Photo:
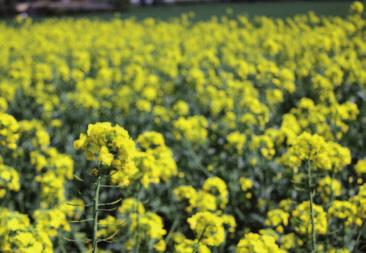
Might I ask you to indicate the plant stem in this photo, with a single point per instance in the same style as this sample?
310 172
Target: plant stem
174 226
61 242
137 232
331 201
312 218
196 245
359 237
95 214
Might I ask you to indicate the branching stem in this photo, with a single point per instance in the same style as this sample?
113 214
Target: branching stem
312 215
95 214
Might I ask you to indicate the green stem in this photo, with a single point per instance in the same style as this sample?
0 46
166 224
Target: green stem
359 237
312 215
62 245
172 229
330 202
196 245
95 214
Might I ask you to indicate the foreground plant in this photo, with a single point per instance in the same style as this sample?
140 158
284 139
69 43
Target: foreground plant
112 150
117 159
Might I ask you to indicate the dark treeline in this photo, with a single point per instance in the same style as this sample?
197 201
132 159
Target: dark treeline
10 7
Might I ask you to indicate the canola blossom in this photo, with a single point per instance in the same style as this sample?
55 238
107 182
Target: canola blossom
230 134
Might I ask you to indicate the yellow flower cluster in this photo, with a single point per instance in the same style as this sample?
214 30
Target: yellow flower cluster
37 165
337 250
265 145
217 187
149 227
9 179
132 217
192 129
236 141
3 105
131 205
343 210
208 228
322 155
117 155
111 146
208 221
360 167
277 219
145 225
109 226
212 197
329 188
18 235
246 185
155 161
184 245
357 7
51 168
51 220
301 218
359 200
34 131
328 121
255 243
9 128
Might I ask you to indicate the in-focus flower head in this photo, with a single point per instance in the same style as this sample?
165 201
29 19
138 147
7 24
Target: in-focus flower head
108 145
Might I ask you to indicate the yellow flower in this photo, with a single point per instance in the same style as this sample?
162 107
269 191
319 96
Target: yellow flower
51 221
360 167
237 141
3 105
187 193
323 155
255 243
110 145
245 184
131 205
301 219
277 218
357 7
9 131
181 108
194 129
9 180
343 210
217 187
329 187
105 158
208 227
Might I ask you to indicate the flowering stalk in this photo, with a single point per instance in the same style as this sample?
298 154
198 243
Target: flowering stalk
312 218
359 235
197 243
196 247
95 213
